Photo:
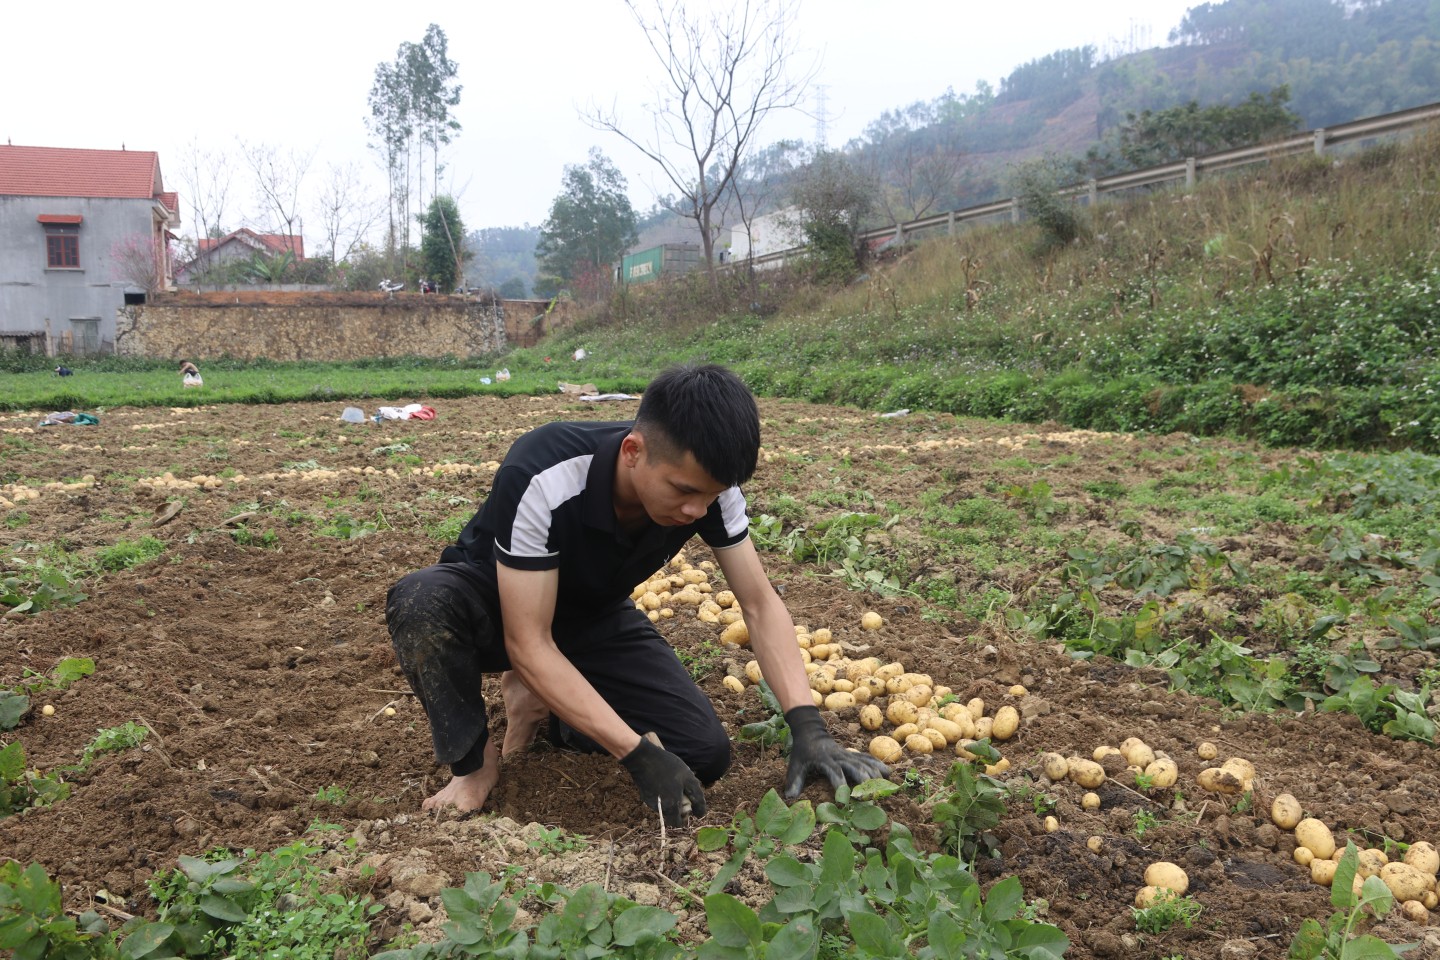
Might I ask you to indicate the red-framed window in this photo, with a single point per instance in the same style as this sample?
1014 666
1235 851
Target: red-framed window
62 250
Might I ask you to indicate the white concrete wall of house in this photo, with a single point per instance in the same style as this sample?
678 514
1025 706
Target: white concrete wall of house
34 297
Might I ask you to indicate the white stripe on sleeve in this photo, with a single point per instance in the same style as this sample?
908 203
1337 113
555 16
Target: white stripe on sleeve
548 489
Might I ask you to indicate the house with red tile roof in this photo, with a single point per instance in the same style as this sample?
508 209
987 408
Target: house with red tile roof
83 233
240 245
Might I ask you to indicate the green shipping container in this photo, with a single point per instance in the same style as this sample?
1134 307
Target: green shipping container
670 259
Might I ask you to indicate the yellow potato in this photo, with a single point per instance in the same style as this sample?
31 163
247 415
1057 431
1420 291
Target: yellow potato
822 681
870 717
998 767
1087 773
1096 844
861 694
961 752
901 711
1322 871
917 743
985 728
1285 811
1167 876
724 598
1017 691
1051 824
821 634
1370 862
1422 856
1415 912
1216 780
1102 752
1207 751
896 685
1137 753
1090 801
1054 765
1405 881
737 633
1147 896
886 749
1316 836
919 695
839 701
905 730
886 671
1431 900
871 620
733 684
1303 856
976 706
936 738
946 728
752 670
1005 723
818 697
1162 773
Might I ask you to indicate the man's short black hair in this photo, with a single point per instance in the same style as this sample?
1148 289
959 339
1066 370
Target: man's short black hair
708 411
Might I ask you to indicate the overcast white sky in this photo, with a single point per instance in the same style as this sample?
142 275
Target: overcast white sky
157 77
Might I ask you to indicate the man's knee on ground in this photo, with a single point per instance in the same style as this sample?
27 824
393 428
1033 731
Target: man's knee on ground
711 757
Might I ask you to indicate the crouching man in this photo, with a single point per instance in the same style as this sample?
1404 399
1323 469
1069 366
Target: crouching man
537 589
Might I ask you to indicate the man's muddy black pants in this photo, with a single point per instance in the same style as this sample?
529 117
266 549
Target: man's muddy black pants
446 640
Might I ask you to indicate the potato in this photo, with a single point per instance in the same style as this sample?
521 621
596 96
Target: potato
936 738
1422 856
998 767
843 686
1207 750
724 597
905 730
861 669
886 749
942 691
947 728
737 633
733 684
1285 811
889 670
962 753
1055 766
1090 801
1148 895
1017 691
1051 824
839 701
917 743
1316 836
1303 856
823 651
752 670
870 620
1095 844
1167 876
861 694
818 698
1370 863
1136 752
1406 882
822 681
1087 773
1431 900
985 728
1102 752
919 695
897 685
1415 912
1243 770
1322 871
728 616
901 711
821 634
1006 722
976 706
1162 773
870 717
1216 780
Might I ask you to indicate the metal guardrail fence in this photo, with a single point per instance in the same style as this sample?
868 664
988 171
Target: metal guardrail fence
1188 170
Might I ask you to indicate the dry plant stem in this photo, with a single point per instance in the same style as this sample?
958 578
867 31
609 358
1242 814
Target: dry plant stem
381 710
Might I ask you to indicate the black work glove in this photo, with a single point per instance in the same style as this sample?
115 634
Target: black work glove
664 779
812 750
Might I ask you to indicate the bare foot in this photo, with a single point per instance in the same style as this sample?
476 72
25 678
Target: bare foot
470 791
524 712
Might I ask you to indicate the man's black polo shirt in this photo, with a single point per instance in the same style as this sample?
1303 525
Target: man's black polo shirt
552 507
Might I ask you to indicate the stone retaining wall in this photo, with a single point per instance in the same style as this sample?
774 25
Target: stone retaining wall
328 327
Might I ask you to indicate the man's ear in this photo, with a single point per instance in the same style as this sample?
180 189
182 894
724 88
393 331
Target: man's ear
632 448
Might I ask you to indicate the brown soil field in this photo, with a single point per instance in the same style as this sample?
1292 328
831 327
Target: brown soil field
262 666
